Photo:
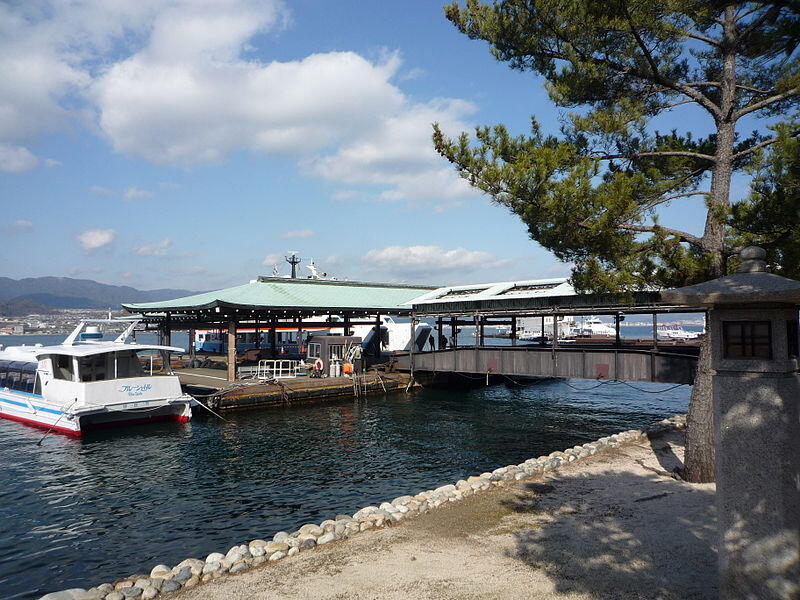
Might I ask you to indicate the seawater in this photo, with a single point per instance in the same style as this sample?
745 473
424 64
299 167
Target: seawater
76 513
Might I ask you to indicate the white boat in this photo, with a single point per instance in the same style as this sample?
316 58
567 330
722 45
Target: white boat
86 382
673 331
594 327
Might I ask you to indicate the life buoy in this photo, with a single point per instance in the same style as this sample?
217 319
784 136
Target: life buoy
347 368
318 364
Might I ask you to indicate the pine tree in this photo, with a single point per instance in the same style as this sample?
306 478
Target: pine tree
591 194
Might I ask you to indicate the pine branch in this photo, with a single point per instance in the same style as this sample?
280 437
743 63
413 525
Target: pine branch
681 235
699 97
757 22
635 155
702 38
623 69
658 201
763 144
766 102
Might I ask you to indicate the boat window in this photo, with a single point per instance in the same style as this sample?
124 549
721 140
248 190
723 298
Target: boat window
3 373
130 365
62 367
336 351
37 385
20 376
12 380
95 367
314 350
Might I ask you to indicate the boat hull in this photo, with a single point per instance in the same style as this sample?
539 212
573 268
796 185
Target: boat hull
35 411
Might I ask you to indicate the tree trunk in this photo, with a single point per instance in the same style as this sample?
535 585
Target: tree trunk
699 453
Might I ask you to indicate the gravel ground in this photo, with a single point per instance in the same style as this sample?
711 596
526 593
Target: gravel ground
612 526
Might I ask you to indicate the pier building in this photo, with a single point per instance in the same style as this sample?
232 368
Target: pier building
270 304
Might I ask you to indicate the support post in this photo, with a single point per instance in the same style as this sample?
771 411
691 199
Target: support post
454 332
258 336
273 342
192 349
543 338
168 331
617 341
346 330
440 332
232 350
555 331
513 331
376 339
411 351
481 331
655 331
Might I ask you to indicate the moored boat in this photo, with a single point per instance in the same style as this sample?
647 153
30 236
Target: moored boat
85 383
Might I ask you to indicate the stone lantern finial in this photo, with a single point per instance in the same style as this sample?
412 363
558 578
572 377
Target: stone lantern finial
753 260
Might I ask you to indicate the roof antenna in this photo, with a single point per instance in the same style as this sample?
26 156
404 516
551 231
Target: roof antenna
294 261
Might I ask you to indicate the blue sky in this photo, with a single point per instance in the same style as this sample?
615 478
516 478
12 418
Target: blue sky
192 143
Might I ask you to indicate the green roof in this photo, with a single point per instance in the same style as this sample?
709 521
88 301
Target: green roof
303 294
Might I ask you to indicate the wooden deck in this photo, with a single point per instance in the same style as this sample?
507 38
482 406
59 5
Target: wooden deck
212 388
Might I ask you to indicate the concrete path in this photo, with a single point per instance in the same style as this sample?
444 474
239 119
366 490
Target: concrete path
608 527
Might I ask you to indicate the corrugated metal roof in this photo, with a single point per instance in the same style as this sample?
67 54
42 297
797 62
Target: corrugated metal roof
532 296
530 288
283 293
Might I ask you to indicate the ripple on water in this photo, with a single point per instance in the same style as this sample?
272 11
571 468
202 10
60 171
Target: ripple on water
76 512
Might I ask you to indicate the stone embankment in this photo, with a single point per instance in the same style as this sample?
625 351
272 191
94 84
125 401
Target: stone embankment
163 580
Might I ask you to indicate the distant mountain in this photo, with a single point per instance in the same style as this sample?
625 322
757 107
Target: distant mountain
21 307
66 292
55 301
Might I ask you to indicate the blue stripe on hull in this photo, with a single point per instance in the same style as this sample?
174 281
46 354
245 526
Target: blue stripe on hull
25 405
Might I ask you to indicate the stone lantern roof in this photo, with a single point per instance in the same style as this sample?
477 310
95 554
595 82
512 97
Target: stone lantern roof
751 283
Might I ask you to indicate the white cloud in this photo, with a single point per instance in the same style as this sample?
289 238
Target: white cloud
175 82
272 259
101 191
18 226
94 239
399 155
195 110
16 159
52 162
135 193
343 194
297 234
426 261
80 271
156 249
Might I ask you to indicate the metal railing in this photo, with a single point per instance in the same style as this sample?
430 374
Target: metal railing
277 369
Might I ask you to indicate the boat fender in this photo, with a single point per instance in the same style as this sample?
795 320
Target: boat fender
318 364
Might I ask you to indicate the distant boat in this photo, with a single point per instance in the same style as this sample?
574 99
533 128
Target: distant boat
673 331
86 382
594 327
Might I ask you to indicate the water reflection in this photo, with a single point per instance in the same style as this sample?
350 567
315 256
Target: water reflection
73 512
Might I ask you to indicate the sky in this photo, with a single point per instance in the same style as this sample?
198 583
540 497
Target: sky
193 143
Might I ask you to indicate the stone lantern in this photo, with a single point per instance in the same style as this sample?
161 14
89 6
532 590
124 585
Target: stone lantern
753 334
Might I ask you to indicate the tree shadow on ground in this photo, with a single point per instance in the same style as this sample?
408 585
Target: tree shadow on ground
620 534
663 449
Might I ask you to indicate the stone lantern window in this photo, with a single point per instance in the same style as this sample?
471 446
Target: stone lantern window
747 339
